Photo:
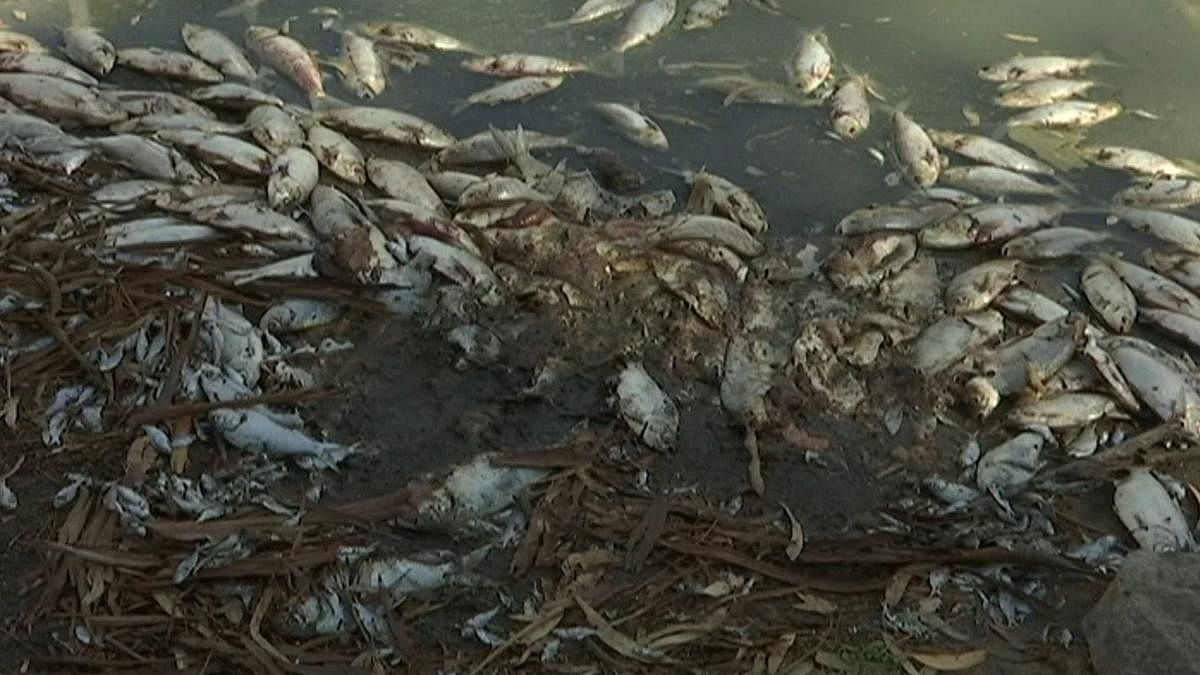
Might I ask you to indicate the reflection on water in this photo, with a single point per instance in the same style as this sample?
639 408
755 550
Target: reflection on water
923 54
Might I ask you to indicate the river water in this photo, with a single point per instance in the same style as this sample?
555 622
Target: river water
923 54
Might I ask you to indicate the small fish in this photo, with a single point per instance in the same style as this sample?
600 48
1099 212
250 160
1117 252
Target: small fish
361 69
1067 114
975 288
167 63
705 14
287 57
810 63
1041 92
987 151
1109 296
1052 242
646 408
213 47
634 125
849 108
591 10
1030 68
1175 229
512 91
88 49
416 35
996 182
646 20
916 153
338 154
1133 160
294 174
522 65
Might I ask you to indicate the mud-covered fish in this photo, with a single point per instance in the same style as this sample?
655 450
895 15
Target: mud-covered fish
976 287
633 125
810 63
1010 464
213 47
646 21
1029 68
864 263
287 57
294 174
918 157
646 408
1041 92
713 194
338 154
90 50
1067 114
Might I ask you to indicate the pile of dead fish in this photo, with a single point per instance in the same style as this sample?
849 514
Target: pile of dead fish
1060 348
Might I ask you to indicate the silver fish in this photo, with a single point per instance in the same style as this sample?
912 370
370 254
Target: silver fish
148 158
1152 517
634 125
214 48
1180 326
496 190
513 91
707 228
1155 289
705 14
946 341
1051 243
385 124
1133 160
1042 92
898 218
234 96
988 223
996 182
1029 305
646 20
1163 193
138 103
522 65
987 151
1109 296
916 153
274 129
148 124
338 154
361 68
1165 383
59 99
1182 268
415 35
849 109
44 64
592 10
287 57
88 49
1067 114
1030 68
294 174
482 148
976 287
1182 232
1062 411
810 63
220 150
398 180
167 63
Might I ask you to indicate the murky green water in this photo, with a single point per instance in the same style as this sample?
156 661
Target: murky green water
922 52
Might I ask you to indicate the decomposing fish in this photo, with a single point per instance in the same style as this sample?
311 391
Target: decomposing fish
1010 464
646 408
1109 296
864 263
214 48
44 64
810 63
1028 304
299 314
976 287
512 91
149 124
707 228
1134 160
987 151
1164 383
59 99
274 129
148 158
946 341
258 219
696 284
482 147
88 49
592 10
646 21
287 57
338 154
250 430
220 150
1183 327
1154 520
346 251
167 63
1180 267
1164 193
1067 114
713 194
988 224
235 96
1155 289
1011 367
1184 233
634 125
751 90
361 69
1062 411
136 103
916 153
399 180
995 181
899 218
415 35
849 108
385 124
1041 92
515 64
1029 68
1052 242
705 14
158 230
294 174
12 41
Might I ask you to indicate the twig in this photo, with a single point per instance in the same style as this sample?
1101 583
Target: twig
167 412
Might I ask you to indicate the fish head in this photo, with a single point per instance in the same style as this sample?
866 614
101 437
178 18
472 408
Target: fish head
981 395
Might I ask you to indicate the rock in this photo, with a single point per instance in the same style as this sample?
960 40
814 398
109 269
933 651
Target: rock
1146 622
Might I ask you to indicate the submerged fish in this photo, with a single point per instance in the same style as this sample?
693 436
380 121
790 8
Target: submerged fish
849 109
1029 68
705 14
634 125
917 155
592 10
512 91
288 57
810 63
1041 92
1067 114
646 21
988 151
521 65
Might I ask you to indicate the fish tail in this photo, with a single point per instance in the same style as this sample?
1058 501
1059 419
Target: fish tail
460 107
610 63
1100 59
511 143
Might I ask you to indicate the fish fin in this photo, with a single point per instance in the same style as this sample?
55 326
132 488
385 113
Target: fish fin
610 63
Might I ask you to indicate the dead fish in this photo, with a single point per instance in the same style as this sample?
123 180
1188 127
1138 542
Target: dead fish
987 151
996 182
274 129
646 20
697 285
167 63
512 91
1183 327
894 218
940 195
948 340
44 64
707 228
713 194
12 41
88 49
250 430
1067 114
258 219
147 158
137 103
613 172
1182 268
849 108
455 263
1152 517
149 124
1109 296
156 231
1182 232
416 35
220 150
646 408
1062 411
634 125
988 224
1028 360
338 154
59 99
705 14
1029 68
234 96
214 48
385 124
864 263
361 69
1042 92
810 63
976 287
288 58
915 290
1011 464
450 184
1163 382
398 180
1164 193
1106 366
751 90
499 190
515 64
1052 242
299 314
294 174
1133 160
916 153
592 10
1155 289
1028 304
482 148
346 251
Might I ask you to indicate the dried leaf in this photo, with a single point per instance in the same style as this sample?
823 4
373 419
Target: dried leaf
796 540
616 640
778 652
948 662
815 604
10 411
899 583
831 661
139 459
754 467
